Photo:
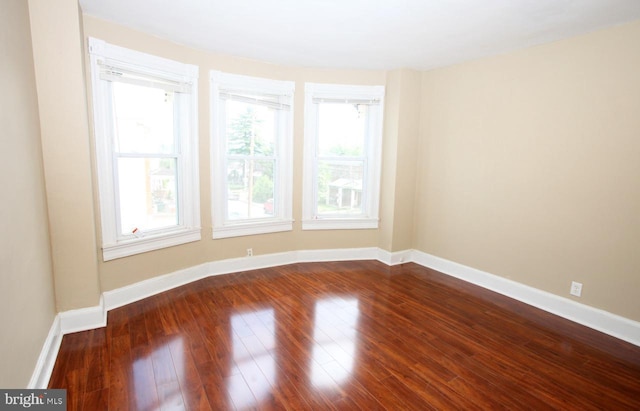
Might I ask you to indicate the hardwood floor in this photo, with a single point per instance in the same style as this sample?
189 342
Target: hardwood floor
348 335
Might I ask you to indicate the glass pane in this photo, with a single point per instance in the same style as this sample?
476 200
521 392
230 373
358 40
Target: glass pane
341 129
143 119
251 129
340 187
148 194
250 189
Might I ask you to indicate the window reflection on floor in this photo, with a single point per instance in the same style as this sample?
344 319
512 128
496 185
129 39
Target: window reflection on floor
253 338
335 337
162 368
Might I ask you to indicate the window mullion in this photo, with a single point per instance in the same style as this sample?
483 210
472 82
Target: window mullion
147 155
249 157
344 159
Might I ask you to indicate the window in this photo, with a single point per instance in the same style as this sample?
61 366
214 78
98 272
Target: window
342 147
146 150
251 155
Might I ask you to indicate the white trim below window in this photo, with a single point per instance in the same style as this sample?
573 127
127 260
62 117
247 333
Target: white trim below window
238 230
153 242
340 224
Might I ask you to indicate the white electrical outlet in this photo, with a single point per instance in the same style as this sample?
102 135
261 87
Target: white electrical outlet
576 288
249 252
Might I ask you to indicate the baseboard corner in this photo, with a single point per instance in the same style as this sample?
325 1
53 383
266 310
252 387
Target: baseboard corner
83 319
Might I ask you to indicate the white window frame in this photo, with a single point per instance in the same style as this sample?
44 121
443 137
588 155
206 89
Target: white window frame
167 73
372 95
282 219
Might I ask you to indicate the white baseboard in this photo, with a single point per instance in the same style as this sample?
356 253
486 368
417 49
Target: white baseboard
394 258
338 254
95 317
83 319
143 289
156 285
47 359
600 320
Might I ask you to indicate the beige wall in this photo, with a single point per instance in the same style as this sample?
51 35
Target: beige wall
530 167
399 156
26 283
58 53
117 273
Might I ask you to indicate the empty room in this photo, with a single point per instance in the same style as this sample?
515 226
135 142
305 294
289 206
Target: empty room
309 205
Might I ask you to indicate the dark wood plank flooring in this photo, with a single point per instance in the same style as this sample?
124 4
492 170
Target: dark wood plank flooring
347 335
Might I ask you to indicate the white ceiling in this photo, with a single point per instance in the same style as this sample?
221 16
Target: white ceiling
364 34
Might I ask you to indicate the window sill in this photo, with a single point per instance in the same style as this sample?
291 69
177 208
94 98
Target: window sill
142 245
340 224
253 228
